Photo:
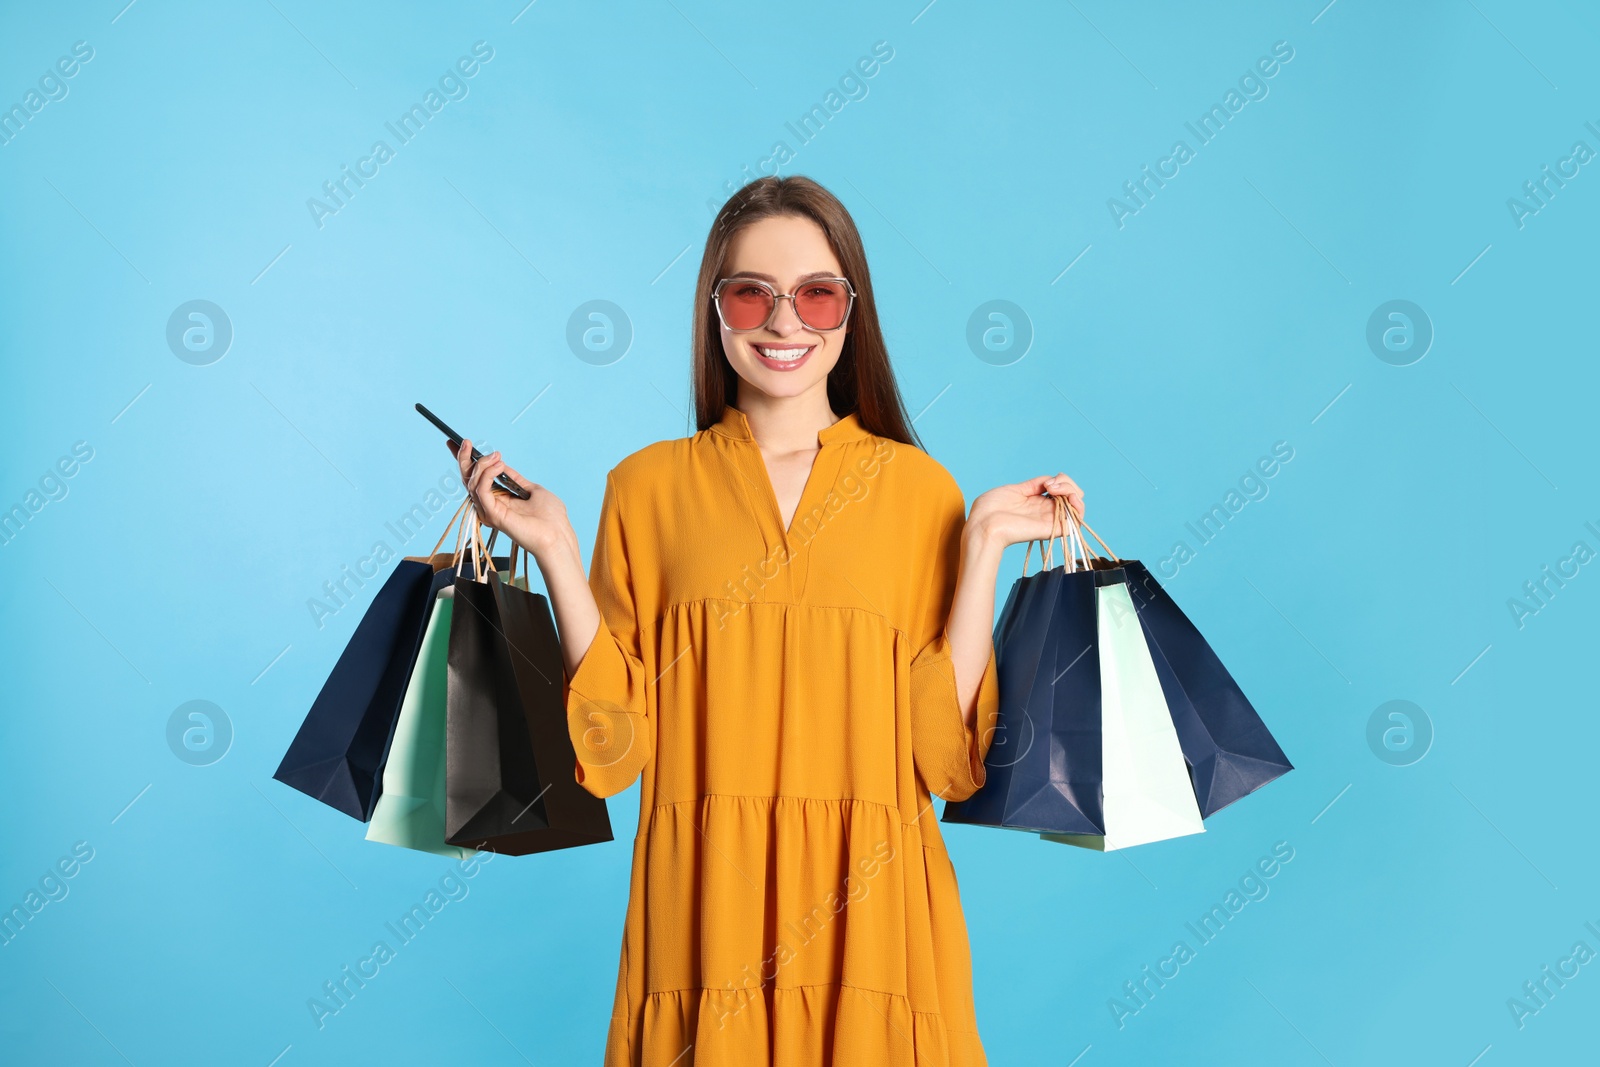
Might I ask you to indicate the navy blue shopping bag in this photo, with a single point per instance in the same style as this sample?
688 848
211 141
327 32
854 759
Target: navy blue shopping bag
338 754
1229 750
1043 769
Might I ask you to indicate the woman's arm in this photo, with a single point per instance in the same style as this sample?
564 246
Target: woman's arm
571 598
971 614
1001 517
608 707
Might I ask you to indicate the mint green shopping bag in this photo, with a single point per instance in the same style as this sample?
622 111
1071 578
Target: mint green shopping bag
410 810
1146 792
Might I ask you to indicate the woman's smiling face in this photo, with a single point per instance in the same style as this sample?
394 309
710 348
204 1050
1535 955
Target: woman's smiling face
784 358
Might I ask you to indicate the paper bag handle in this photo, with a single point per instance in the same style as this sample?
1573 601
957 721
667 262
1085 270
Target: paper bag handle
1078 520
1072 525
483 554
443 534
1068 536
517 552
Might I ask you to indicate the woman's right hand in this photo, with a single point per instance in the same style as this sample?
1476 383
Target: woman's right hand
538 524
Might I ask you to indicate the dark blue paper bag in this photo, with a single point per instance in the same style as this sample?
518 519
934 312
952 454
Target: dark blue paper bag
1043 771
337 757
338 754
1229 750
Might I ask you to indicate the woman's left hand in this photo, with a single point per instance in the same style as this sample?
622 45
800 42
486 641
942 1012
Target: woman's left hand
1010 514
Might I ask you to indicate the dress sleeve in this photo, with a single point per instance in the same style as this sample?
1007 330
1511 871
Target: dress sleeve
608 715
948 755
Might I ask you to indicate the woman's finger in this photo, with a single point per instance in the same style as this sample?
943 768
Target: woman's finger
484 472
483 499
492 476
1061 485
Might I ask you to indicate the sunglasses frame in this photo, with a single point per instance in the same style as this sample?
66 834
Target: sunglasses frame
716 302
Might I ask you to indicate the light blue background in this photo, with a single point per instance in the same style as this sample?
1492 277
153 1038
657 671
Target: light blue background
1227 315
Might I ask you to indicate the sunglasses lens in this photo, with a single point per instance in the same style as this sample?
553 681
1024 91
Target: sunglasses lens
822 305
745 306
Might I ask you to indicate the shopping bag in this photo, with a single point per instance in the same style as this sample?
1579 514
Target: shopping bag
411 807
1091 756
1228 749
1043 769
1088 754
338 754
410 811
510 781
1147 794
1230 752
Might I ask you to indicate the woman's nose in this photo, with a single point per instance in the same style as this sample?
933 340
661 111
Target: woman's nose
784 320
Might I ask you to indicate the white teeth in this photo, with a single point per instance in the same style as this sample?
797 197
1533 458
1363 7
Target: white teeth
783 355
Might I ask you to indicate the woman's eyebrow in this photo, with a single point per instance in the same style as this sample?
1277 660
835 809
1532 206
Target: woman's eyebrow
774 281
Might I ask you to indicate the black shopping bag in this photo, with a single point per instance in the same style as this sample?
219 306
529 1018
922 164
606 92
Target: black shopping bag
338 754
510 780
1043 770
1229 750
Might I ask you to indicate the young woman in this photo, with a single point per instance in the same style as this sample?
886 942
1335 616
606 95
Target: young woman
786 632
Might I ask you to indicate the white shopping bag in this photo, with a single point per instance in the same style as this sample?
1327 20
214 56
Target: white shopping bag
1147 790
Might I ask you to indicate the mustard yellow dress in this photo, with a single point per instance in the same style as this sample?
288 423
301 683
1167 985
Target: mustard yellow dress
789 699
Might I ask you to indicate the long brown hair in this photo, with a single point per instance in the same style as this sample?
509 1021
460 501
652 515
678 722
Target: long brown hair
862 381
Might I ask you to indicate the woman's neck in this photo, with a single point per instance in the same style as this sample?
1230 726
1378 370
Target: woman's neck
786 424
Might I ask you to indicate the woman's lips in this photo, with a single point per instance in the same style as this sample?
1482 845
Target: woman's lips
782 357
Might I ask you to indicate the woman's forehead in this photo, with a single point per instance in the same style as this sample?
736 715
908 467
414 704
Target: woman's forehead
781 249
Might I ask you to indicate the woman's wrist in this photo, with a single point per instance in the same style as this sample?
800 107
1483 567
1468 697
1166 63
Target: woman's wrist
981 546
557 549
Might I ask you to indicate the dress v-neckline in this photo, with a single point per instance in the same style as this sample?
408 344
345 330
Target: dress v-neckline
824 465
805 490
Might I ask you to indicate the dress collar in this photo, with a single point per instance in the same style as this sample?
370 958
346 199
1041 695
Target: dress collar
734 424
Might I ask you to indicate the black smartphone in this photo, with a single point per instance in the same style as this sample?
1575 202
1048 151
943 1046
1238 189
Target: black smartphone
502 481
